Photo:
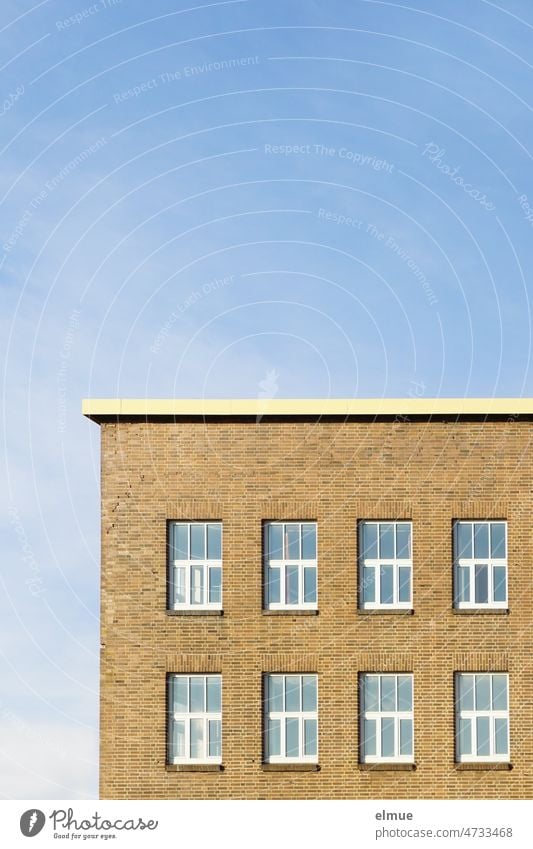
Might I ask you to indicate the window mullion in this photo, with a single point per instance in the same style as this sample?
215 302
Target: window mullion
396 736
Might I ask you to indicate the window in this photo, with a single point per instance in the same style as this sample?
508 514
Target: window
482 717
386 565
195 565
480 558
290 565
386 716
194 719
290 718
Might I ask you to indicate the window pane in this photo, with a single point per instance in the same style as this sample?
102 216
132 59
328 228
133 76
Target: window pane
500 737
310 584
215 584
388 692
386 541
197 585
369 731
213 694
274 737
179 585
214 542
197 694
181 544
406 736
403 541
177 743
291 585
387 738
499 692
481 540
181 704
292 737
215 738
310 741
198 542
292 692
483 735
405 692
498 575
466 692
275 693
309 542
464 737
386 595
482 584
197 738
273 586
464 540
309 692
275 542
497 539
482 692
369 540
371 685
404 586
369 588
292 542
463 584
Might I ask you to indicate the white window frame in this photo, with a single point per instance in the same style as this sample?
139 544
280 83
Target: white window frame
378 563
188 716
205 564
471 562
378 715
474 714
301 715
286 562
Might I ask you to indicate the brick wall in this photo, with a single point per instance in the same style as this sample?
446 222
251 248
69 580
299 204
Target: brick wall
242 473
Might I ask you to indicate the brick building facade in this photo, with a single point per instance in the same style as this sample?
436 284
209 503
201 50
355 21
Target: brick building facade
316 599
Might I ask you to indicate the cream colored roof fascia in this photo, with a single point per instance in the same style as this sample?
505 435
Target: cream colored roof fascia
100 407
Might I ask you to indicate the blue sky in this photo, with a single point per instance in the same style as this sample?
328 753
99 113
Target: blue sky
231 199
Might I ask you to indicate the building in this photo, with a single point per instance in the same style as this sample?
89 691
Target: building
316 599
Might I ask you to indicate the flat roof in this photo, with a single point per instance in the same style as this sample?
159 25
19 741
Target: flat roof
111 409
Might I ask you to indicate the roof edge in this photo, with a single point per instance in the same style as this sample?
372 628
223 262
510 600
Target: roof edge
105 409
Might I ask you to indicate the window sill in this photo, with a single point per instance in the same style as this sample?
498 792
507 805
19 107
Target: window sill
481 611
388 611
290 767
387 767
466 766
194 768
296 612
199 612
